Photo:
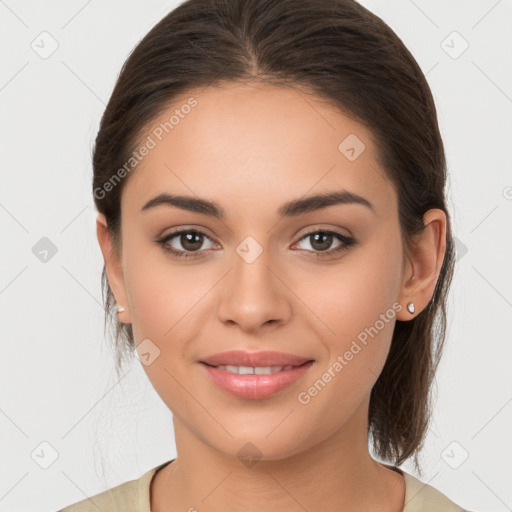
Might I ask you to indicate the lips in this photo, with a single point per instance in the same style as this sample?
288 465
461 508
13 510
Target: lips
254 359
255 375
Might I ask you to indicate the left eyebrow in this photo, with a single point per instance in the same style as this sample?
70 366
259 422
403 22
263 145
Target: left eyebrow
290 209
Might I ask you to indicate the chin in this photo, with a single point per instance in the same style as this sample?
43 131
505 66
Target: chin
257 447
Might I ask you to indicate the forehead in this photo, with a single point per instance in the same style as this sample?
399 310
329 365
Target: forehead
260 145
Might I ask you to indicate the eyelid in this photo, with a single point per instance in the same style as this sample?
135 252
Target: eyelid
331 229
185 227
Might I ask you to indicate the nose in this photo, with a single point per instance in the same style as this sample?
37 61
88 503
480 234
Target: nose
254 295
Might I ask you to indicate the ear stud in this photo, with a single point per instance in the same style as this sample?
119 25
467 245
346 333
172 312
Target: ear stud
410 307
120 309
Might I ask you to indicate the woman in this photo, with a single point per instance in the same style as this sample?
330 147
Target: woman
269 177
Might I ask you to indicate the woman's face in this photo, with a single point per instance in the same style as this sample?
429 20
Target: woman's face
253 280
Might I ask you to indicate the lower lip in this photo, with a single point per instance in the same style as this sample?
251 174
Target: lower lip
253 386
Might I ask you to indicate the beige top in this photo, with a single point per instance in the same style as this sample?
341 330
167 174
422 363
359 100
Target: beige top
133 496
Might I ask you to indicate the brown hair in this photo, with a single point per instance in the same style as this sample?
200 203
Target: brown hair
349 57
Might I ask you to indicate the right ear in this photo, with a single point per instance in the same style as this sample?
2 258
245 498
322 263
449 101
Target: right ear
113 267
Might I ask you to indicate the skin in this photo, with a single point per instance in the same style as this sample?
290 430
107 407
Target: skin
252 148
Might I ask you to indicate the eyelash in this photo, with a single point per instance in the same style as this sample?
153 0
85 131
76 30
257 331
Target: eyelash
347 242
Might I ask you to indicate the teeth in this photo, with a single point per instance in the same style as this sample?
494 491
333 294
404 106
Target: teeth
257 370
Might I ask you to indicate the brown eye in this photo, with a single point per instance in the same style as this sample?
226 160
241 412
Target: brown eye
320 242
188 241
191 240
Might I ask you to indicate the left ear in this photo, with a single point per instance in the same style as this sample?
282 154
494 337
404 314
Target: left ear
423 264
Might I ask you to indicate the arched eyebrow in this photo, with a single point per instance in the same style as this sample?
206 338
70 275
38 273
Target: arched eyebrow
290 209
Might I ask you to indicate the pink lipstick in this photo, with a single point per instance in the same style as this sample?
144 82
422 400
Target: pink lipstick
255 375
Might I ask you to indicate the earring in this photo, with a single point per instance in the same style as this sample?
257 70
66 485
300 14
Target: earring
120 309
410 307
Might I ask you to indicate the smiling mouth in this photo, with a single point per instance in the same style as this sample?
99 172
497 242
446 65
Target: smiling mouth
255 370
255 382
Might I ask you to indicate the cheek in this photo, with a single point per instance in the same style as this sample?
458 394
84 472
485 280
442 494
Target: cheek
351 295
160 291
166 303
356 303
162 298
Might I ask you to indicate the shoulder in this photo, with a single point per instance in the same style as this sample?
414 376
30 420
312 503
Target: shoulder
421 497
130 496
122 497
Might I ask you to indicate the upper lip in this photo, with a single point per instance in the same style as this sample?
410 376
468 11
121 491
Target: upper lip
266 358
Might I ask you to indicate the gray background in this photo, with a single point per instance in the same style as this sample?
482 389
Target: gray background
68 428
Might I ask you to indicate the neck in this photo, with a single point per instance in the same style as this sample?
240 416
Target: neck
337 474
